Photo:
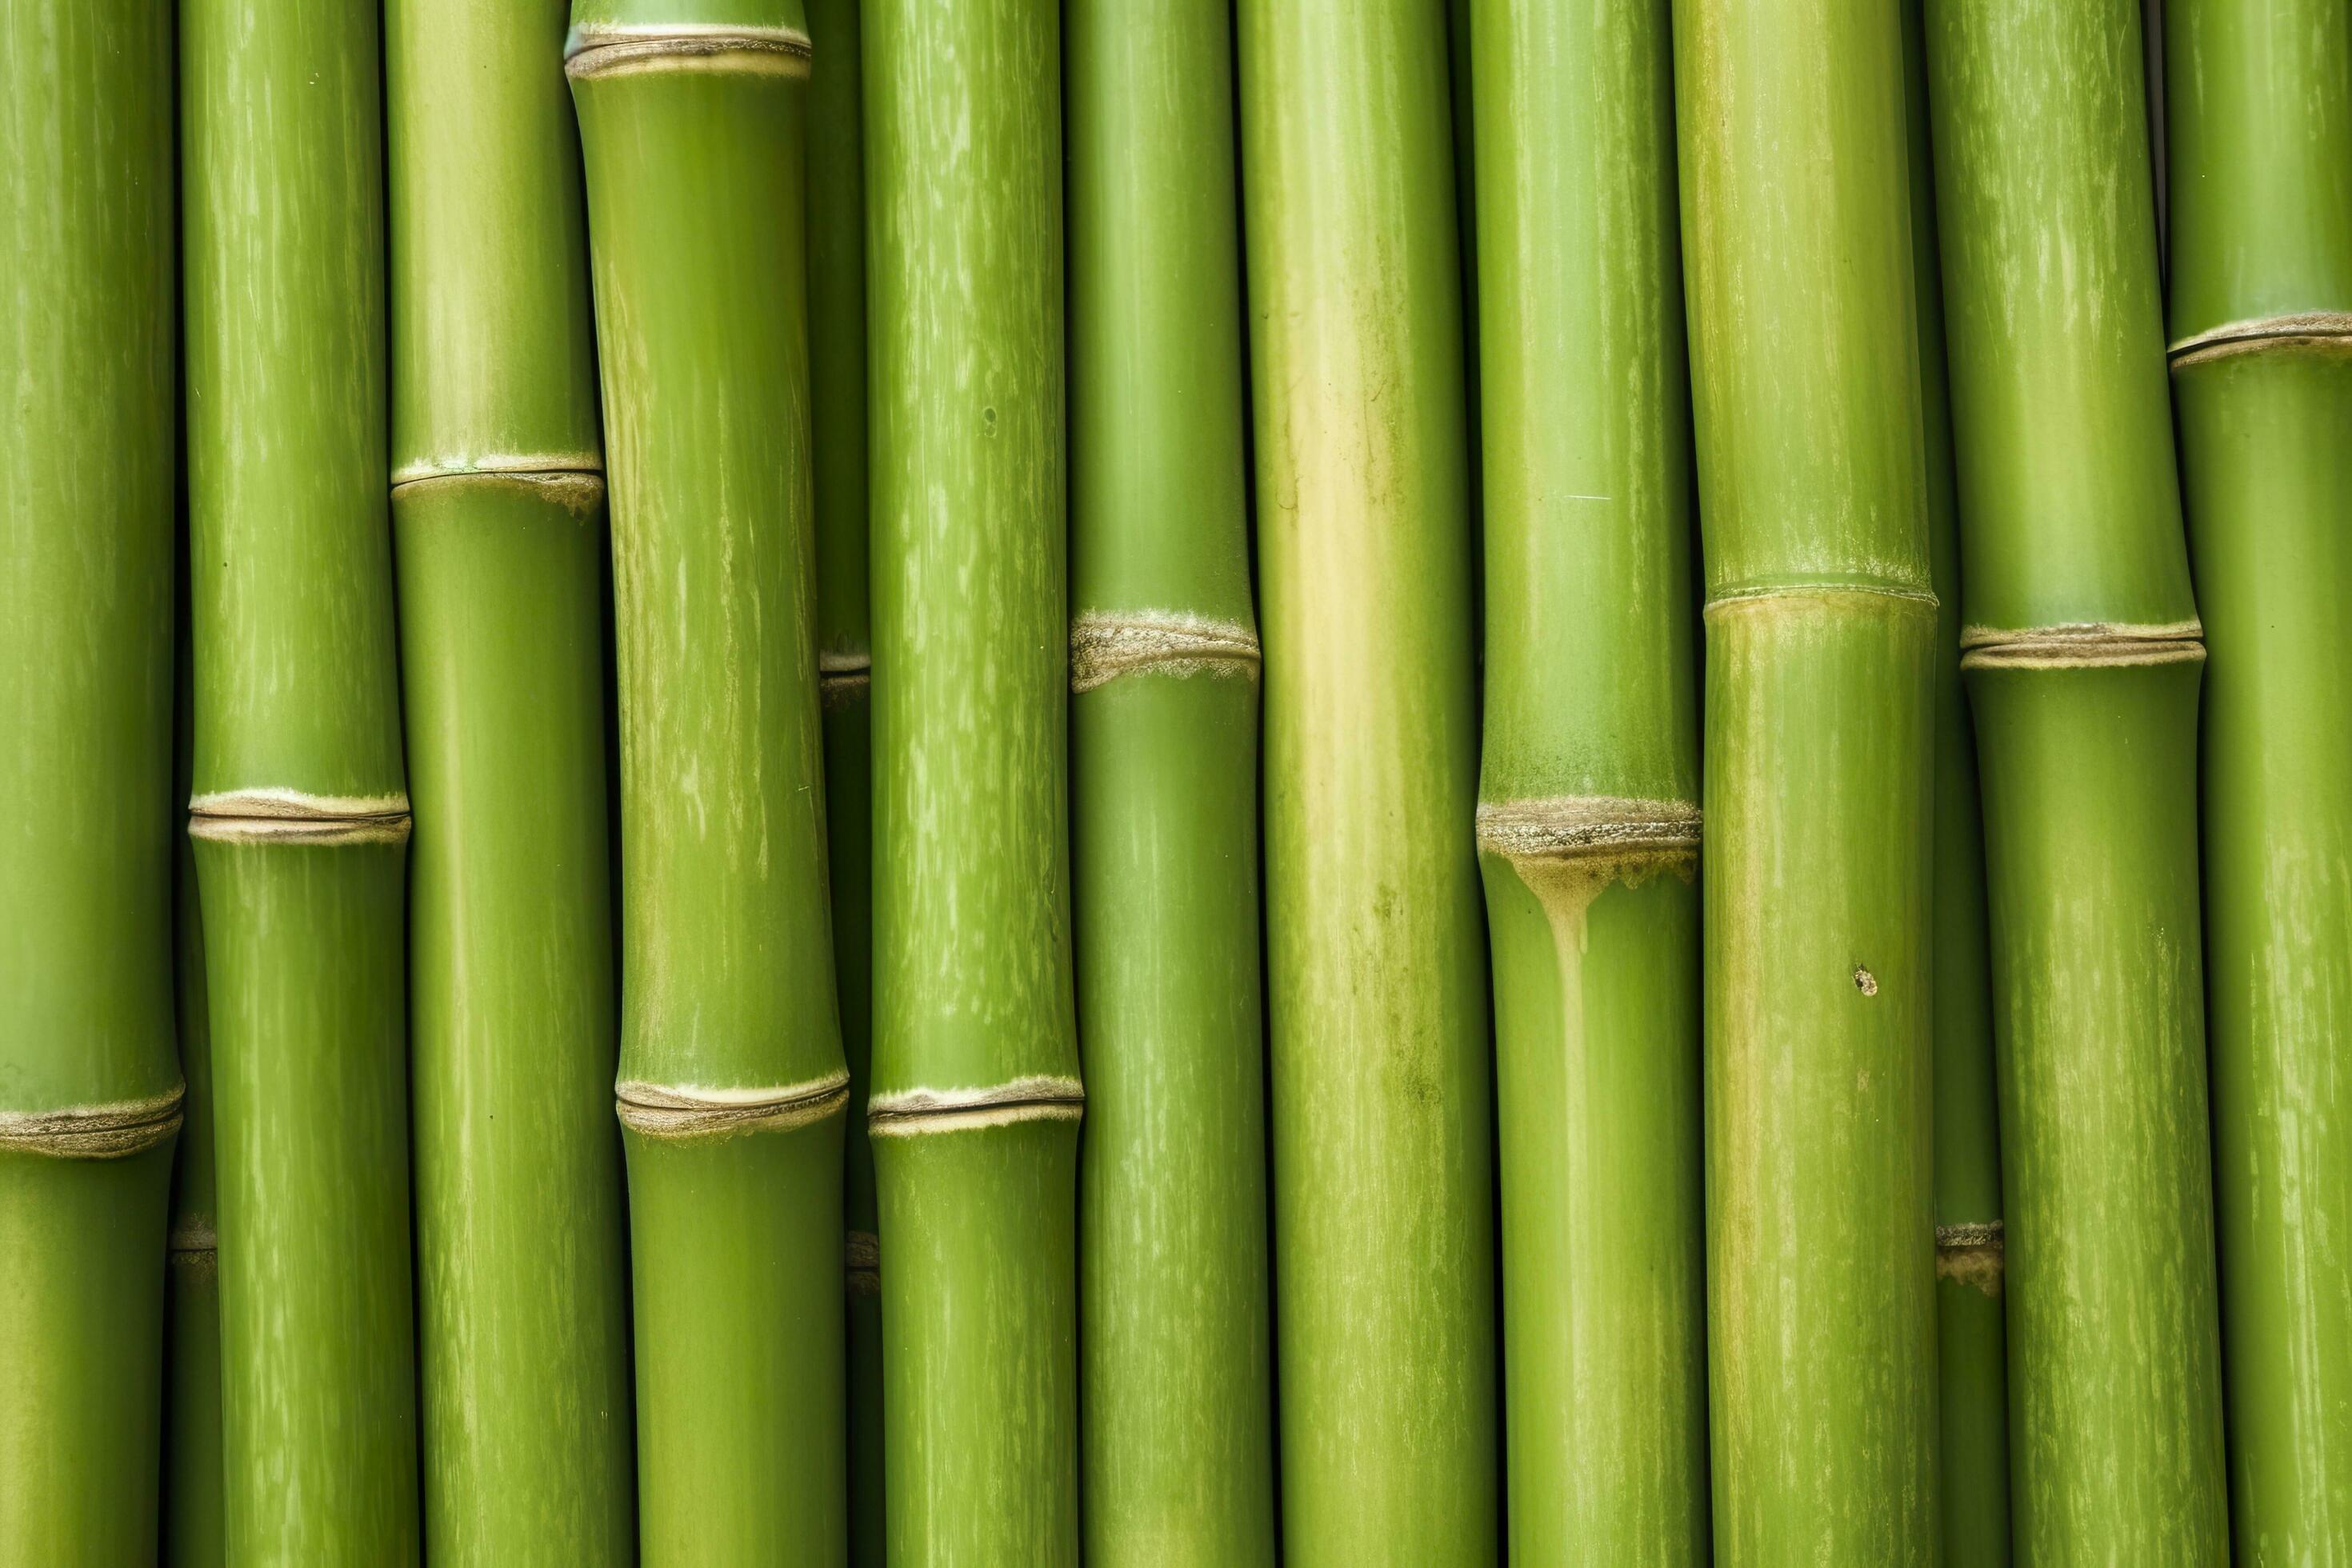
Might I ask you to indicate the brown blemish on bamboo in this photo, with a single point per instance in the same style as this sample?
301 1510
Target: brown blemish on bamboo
674 1113
727 51
915 1112
1104 646
1970 1255
109 1131
2084 645
2307 329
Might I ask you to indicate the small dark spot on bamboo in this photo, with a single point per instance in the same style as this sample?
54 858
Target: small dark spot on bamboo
988 421
1865 982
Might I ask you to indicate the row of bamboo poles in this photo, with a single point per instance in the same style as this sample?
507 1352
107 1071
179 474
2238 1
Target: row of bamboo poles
1868 918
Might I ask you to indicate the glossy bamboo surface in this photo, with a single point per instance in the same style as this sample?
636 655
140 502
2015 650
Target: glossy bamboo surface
975 1096
1382 1115
1588 788
1819 750
2261 121
90 1084
731 1078
2083 667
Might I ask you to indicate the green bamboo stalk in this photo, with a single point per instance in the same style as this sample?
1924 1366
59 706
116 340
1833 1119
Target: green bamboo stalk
1820 732
1179 1435
192 1481
1382 1193
299 808
837 261
2262 368
976 1097
1588 816
732 1083
89 1083
2082 664
498 527
1971 1348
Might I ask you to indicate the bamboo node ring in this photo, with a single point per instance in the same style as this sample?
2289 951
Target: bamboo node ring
109 1131
2304 328
1038 1097
672 1112
2081 645
1567 828
1104 646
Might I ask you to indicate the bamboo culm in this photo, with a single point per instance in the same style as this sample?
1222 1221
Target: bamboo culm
1818 746
732 1083
1381 1107
2083 661
837 285
1587 812
976 1098
2261 330
1971 1355
497 521
298 807
1179 1448
90 1084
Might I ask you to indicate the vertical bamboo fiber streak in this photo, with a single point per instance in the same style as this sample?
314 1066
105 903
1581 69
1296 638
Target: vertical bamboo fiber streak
1588 817
732 1083
299 809
837 284
90 1084
2082 664
1381 1106
1972 1379
2262 373
497 517
975 1099
1179 1435
1821 657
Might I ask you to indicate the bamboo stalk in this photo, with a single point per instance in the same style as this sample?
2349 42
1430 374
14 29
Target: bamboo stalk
837 253
2262 368
1381 1106
732 1083
298 810
1587 809
1971 1348
975 1100
1821 656
90 1084
2082 664
498 520
1178 1438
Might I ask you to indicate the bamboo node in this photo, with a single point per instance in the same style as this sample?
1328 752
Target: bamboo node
109 1131
1971 1255
1569 827
1104 646
2304 328
682 47
842 678
2082 644
1038 1097
192 1233
673 1112
578 491
862 1250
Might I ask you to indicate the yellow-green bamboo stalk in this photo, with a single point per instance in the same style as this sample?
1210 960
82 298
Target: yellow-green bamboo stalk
1178 1431
1587 812
976 1098
836 283
1971 1351
298 807
499 519
733 1084
1383 1211
2261 125
89 1087
1820 730
2082 663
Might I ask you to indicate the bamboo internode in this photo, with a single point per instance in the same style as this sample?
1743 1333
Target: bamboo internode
90 1092
2260 327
